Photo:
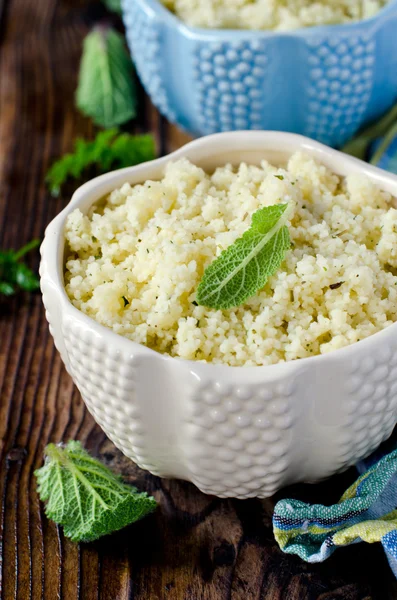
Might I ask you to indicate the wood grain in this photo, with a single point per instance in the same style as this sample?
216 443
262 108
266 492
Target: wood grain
194 547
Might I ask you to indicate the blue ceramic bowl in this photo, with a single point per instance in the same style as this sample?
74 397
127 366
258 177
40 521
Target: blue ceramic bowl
322 82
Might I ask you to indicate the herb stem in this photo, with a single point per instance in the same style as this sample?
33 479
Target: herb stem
384 145
27 248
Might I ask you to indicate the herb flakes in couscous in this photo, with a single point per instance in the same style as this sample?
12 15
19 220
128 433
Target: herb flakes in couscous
134 262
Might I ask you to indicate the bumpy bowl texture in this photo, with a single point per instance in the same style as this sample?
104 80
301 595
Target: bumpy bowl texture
323 82
232 431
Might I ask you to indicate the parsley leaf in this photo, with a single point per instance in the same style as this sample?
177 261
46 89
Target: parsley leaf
109 150
15 275
106 90
84 496
243 268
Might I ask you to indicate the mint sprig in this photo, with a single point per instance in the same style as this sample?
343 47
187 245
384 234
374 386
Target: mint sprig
106 91
243 268
109 150
84 496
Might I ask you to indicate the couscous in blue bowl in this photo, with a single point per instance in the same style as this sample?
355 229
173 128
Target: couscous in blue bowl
323 82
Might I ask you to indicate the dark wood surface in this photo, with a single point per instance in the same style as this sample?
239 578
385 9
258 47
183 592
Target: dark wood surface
194 547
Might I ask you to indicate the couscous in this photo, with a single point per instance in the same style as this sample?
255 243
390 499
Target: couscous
279 15
135 261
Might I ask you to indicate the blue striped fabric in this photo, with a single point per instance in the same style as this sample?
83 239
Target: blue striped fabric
366 512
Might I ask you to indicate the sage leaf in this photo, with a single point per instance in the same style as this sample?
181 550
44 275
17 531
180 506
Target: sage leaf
106 90
243 268
84 496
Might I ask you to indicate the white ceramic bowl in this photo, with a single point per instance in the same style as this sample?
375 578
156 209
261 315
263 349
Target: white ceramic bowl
233 431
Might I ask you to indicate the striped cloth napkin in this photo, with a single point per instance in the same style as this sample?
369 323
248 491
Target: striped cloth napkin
367 511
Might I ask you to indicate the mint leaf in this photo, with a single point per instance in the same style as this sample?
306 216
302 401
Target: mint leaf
243 268
84 496
15 275
107 151
113 5
106 90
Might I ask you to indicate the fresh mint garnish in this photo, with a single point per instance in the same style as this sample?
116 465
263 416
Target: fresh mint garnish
109 150
106 90
84 496
14 274
243 268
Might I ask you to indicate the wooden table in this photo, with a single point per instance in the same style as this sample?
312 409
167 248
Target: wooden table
195 547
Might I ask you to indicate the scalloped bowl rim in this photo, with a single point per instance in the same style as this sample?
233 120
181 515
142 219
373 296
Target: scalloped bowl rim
55 230
231 34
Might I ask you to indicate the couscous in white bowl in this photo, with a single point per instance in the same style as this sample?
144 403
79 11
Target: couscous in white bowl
231 430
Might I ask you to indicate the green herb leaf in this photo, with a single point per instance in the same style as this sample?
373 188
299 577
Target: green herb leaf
106 90
243 268
109 150
25 278
6 289
113 5
84 496
15 275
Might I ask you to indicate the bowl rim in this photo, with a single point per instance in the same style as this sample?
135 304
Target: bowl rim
52 247
156 7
